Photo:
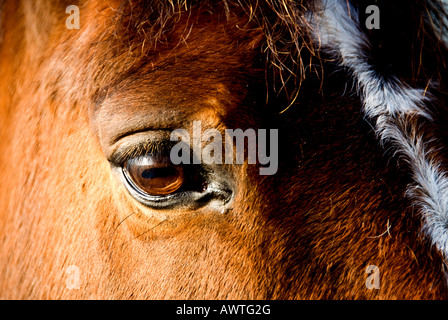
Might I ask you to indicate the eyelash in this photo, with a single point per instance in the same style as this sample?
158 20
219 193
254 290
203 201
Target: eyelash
140 149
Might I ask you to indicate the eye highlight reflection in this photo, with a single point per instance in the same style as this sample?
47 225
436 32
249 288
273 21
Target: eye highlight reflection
154 175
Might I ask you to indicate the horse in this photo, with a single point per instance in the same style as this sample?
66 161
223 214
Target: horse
352 92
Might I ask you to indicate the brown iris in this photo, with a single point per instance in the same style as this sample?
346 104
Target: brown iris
155 175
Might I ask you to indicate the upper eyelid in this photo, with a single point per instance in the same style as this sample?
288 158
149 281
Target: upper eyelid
128 151
138 144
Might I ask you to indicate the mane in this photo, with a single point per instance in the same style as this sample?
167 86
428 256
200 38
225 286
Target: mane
414 44
403 100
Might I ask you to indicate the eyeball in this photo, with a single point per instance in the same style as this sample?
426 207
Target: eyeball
154 175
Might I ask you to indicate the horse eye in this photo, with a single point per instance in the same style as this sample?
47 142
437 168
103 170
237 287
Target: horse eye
154 181
154 175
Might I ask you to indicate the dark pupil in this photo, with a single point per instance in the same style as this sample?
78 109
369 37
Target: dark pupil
154 173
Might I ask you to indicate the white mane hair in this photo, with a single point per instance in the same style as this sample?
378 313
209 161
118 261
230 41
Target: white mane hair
394 108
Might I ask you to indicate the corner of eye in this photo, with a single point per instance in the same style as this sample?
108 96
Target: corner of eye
114 157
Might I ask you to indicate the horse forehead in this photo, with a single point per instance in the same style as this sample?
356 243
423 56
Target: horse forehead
196 79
